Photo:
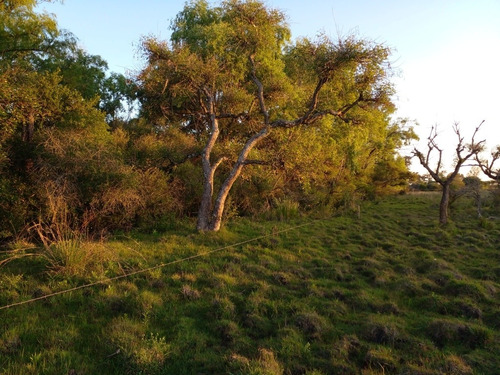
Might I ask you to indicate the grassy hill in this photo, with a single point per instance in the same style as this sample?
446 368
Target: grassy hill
383 291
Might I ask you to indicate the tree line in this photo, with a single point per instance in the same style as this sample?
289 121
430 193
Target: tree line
234 117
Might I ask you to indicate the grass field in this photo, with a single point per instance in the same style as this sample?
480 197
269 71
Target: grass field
385 290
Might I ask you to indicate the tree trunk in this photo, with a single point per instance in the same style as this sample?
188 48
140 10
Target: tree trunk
29 129
208 177
206 200
445 202
210 219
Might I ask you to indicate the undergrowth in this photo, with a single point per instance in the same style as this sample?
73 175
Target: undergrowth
384 290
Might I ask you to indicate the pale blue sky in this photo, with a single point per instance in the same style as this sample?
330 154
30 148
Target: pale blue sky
447 52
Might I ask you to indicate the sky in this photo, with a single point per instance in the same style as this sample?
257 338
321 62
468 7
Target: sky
446 53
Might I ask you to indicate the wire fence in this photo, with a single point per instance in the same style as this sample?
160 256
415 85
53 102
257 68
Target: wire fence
161 265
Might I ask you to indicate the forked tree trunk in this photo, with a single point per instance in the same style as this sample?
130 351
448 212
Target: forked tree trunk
206 199
472 150
210 217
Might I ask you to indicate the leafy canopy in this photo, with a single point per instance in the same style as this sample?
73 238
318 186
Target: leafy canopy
215 50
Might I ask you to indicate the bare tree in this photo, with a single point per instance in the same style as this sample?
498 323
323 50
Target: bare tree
487 167
463 152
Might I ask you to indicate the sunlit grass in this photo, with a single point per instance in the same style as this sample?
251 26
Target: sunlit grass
385 290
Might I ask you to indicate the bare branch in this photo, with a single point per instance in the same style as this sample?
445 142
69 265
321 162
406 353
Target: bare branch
347 107
315 96
173 163
311 116
164 86
218 162
488 168
260 91
473 149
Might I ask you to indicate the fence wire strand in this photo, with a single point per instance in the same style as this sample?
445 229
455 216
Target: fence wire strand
161 265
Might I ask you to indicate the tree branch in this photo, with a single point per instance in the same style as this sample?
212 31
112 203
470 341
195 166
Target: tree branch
234 116
260 91
473 149
487 168
168 169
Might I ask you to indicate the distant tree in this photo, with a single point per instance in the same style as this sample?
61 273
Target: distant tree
231 79
88 75
473 187
117 95
488 167
463 152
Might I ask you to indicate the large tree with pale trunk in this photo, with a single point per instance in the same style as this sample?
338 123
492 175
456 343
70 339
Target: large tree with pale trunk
230 77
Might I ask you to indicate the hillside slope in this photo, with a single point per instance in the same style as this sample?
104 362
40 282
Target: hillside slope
387 291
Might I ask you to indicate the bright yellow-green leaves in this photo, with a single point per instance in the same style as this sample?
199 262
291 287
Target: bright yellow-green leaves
22 31
210 50
220 51
29 96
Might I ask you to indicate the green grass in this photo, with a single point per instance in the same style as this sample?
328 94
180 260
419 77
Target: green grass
388 292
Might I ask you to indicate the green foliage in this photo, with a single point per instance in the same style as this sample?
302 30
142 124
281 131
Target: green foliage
284 210
86 74
38 112
221 58
60 165
23 33
69 160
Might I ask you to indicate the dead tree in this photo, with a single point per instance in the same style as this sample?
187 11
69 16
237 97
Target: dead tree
463 152
487 167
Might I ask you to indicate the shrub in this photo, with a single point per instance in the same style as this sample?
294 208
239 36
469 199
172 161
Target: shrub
284 210
148 351
266 364
383 333
77 257
311 324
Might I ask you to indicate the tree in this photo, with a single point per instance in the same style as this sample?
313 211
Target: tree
473 187
23 32
88 75
463 152
231 79
391 171
488 167
57 155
